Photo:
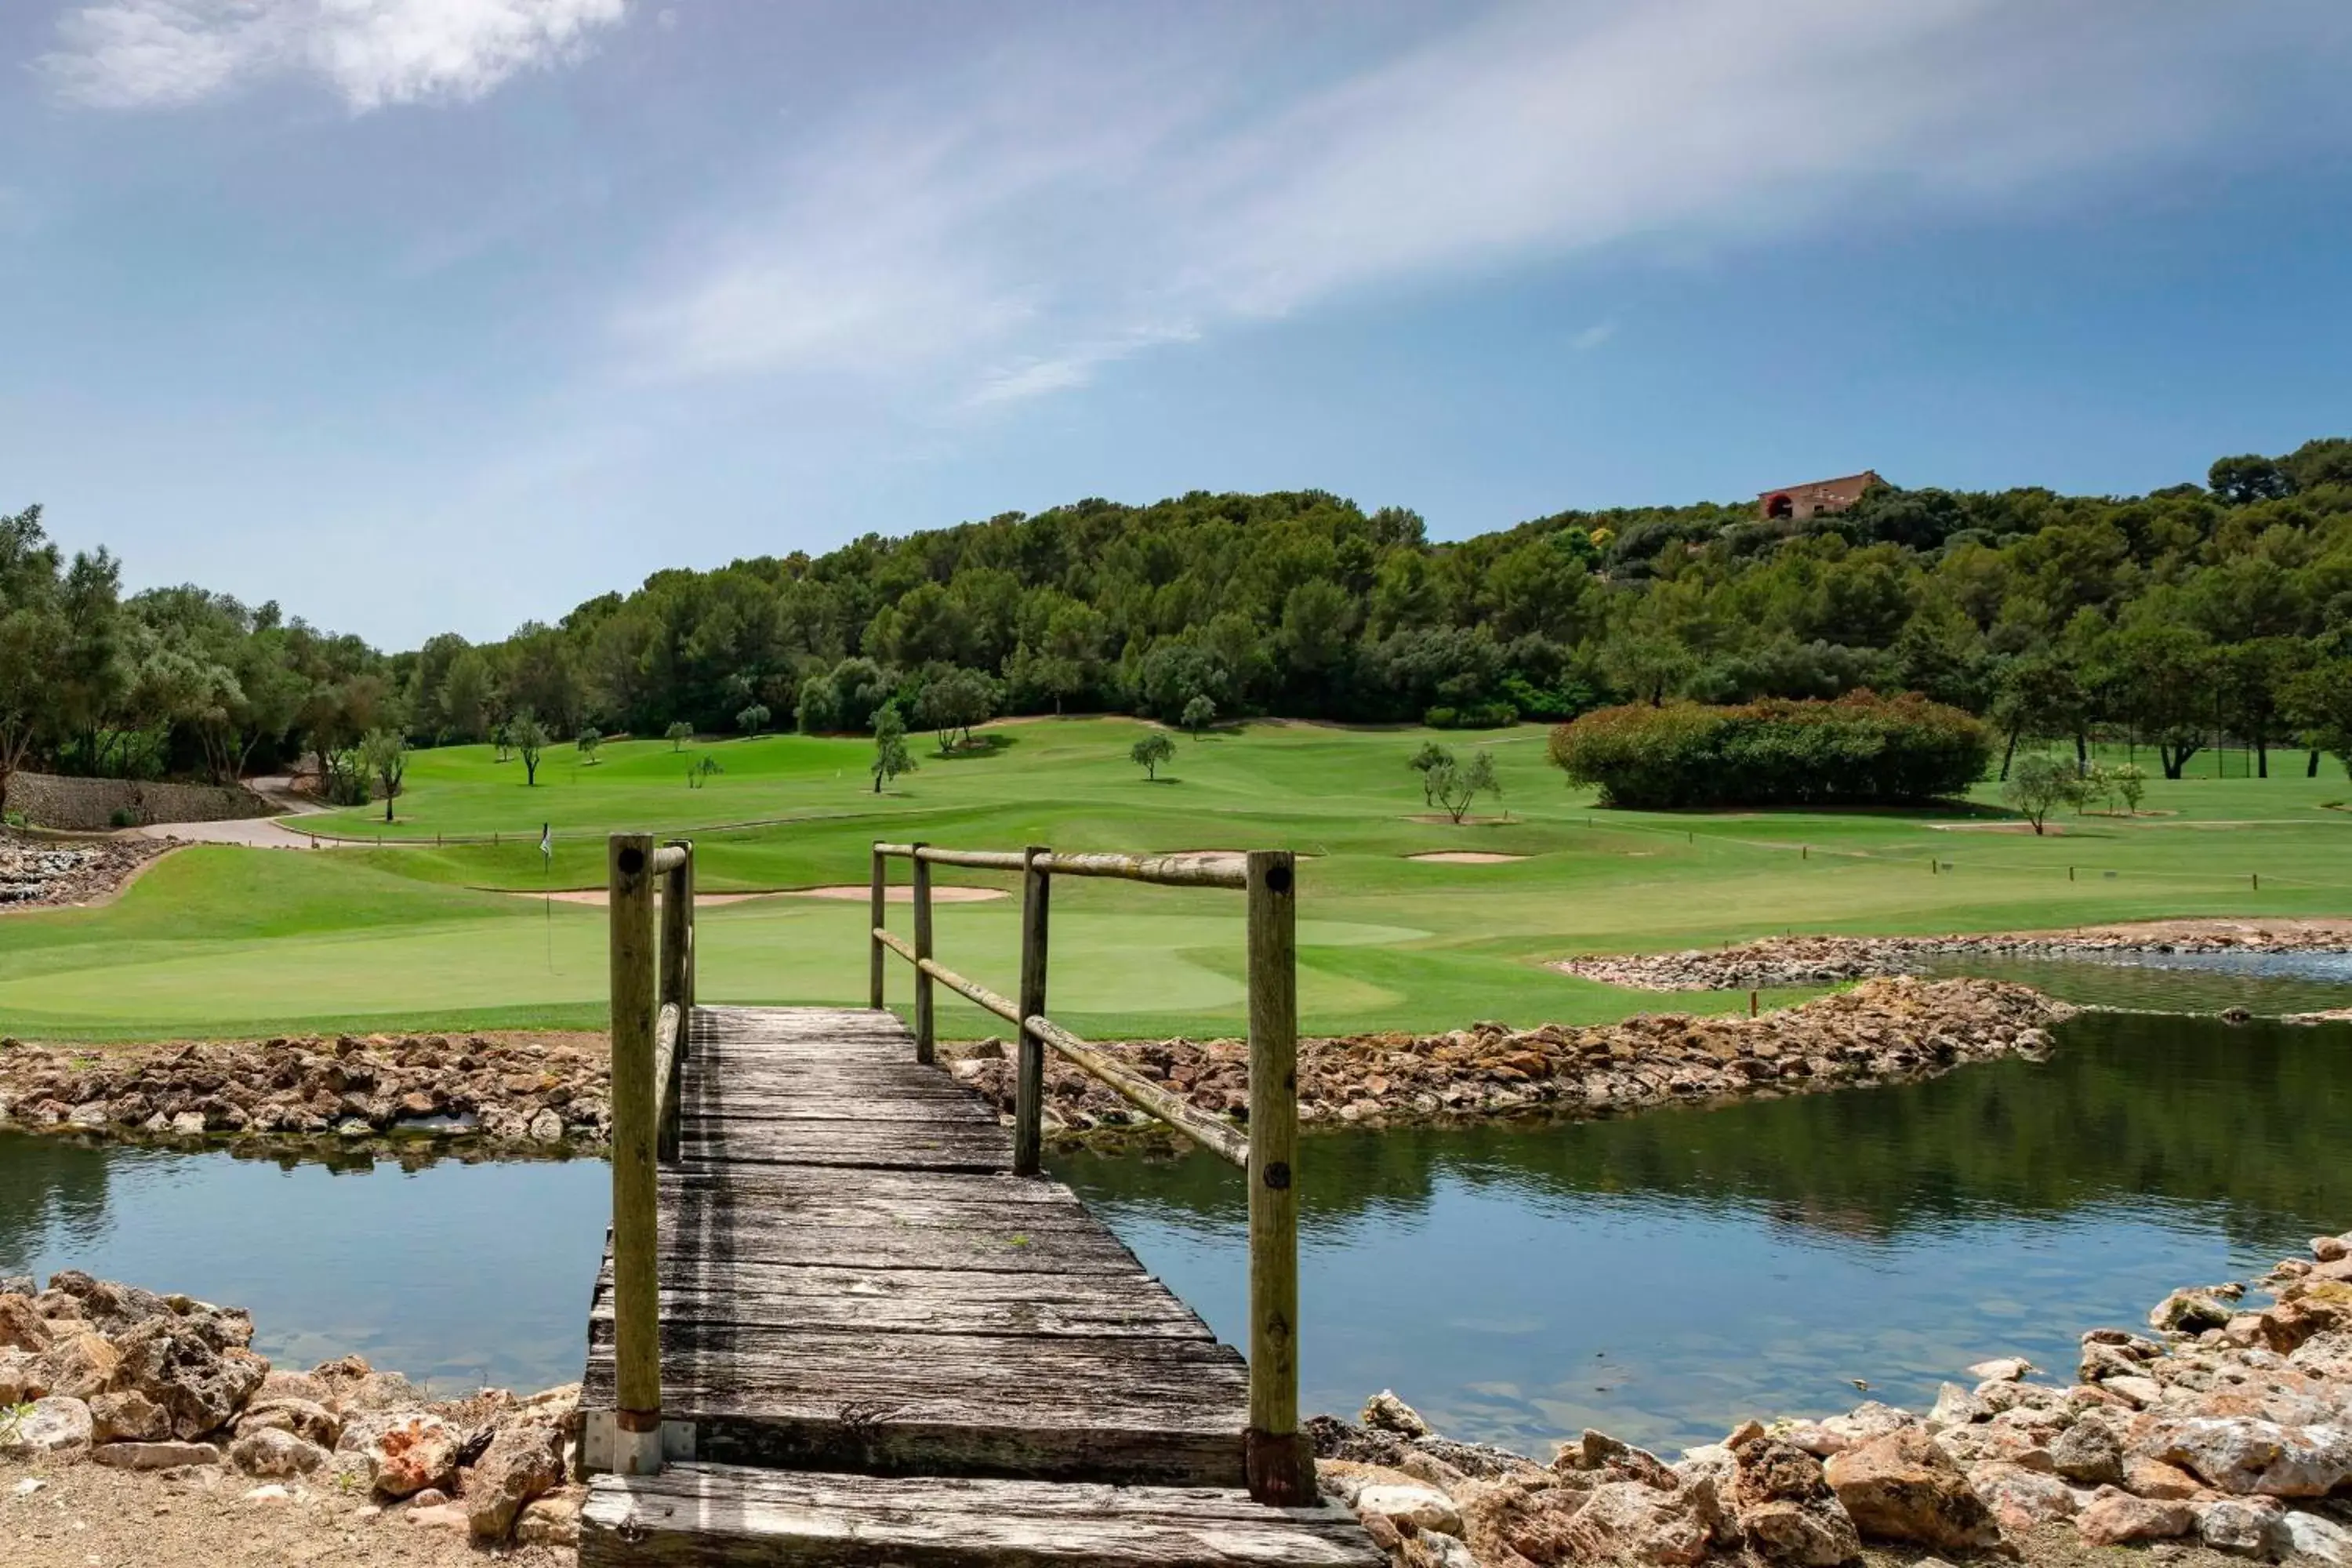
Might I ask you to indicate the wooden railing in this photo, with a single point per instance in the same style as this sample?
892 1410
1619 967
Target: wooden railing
1280 1459
653 1003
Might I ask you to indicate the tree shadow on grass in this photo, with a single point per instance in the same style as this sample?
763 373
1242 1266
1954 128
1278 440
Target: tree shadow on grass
986 745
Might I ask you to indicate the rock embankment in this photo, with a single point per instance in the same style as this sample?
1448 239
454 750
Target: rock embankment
1880 1031
114 1375
2222 1428
506 1091
42 872
1784 961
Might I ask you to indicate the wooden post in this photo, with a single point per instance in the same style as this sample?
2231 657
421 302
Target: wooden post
1279 1459
926 1032
672 991
687 1002
1029 1068
636 1293
878 910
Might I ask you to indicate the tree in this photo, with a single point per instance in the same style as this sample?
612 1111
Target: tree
502 738
1426 762
32 640
2038 785
753 719
2250 478
1457 787
679 734
891 757
529 737
1199 714
2318 704
384 753
589 739
1149 752
2129 783
957 700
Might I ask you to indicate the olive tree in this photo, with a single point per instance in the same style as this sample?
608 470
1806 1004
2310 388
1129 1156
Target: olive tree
2038 785
679 734
1151 752
1458 786
529 738
1199 714
589 739
384 753
891 757
1426 762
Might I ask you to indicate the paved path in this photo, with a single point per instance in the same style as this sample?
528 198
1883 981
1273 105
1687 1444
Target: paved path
255 832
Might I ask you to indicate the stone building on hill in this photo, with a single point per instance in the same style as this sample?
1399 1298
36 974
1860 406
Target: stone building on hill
1799 501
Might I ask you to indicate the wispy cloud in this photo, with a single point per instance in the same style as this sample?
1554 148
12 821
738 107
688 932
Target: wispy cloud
1593 336
1005 233
161 54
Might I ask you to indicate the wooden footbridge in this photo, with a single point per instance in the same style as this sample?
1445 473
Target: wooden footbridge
844 1320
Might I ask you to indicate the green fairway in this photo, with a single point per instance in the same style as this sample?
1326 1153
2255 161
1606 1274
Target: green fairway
219 941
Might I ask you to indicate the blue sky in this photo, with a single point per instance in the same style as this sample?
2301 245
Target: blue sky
445 314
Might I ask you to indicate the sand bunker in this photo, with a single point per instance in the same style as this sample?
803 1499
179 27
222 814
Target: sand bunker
596 897
1466 858
859 892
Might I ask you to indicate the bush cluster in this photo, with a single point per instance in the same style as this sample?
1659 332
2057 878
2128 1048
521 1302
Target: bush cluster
1859 749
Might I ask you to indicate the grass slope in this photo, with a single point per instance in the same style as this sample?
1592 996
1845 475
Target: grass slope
223 941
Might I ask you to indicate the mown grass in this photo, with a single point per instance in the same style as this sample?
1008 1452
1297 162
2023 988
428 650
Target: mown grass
219 941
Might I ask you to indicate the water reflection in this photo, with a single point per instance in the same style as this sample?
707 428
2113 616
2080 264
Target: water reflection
1662 1275
457 1274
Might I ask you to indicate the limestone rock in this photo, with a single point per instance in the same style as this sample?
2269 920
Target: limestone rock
1902 1487
2155 1479
2114 1516
2322 1540
413 1454
2245 1527
1507 1524
2247 1456
2138 1391
1384 1412
552 1520
80 1364
129 1416
200 1385
1635 1523
1785 1509
22 1377
2190 1311
1868 1420
55 1425
2023 1500
1956 1406
1426 1508
2090 1450
21 1327
312 1422
164 1456
2002 1369
271 1451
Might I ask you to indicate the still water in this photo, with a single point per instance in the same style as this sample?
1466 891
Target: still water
1658 1276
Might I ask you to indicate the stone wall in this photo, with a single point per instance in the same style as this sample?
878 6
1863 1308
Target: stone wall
90 804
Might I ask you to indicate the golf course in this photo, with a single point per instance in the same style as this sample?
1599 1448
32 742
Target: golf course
451 923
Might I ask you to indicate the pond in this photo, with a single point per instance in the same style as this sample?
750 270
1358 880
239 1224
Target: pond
1658 1276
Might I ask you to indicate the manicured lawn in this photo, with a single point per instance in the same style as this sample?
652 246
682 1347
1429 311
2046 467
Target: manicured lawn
221 941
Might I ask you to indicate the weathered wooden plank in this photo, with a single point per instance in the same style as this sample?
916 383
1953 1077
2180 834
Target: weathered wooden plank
845 1143
783 1195
721 1514
923 1300
883 1104
1004 1249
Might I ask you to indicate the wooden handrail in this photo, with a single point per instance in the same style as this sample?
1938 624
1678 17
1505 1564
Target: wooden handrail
1280 1459
1215 1136
1167 870
653 988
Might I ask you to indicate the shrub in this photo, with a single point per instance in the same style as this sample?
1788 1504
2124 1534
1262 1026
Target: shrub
1477 716
1859 749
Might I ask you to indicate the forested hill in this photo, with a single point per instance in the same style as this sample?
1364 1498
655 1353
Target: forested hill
2193 611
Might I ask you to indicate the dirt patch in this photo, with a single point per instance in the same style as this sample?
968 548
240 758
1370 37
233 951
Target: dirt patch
1440 818
1466 858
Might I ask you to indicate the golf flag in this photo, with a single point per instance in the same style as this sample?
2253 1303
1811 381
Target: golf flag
547 841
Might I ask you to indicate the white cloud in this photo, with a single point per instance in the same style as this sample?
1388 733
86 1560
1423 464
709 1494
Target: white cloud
1593 336
1004 232
156 54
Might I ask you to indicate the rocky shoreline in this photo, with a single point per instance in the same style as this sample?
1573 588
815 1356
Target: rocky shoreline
1791 961
348 1091
2220 1427
128 1380
1883 1031
46 873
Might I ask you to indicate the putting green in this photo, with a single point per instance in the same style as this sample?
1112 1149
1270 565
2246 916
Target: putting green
221 941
